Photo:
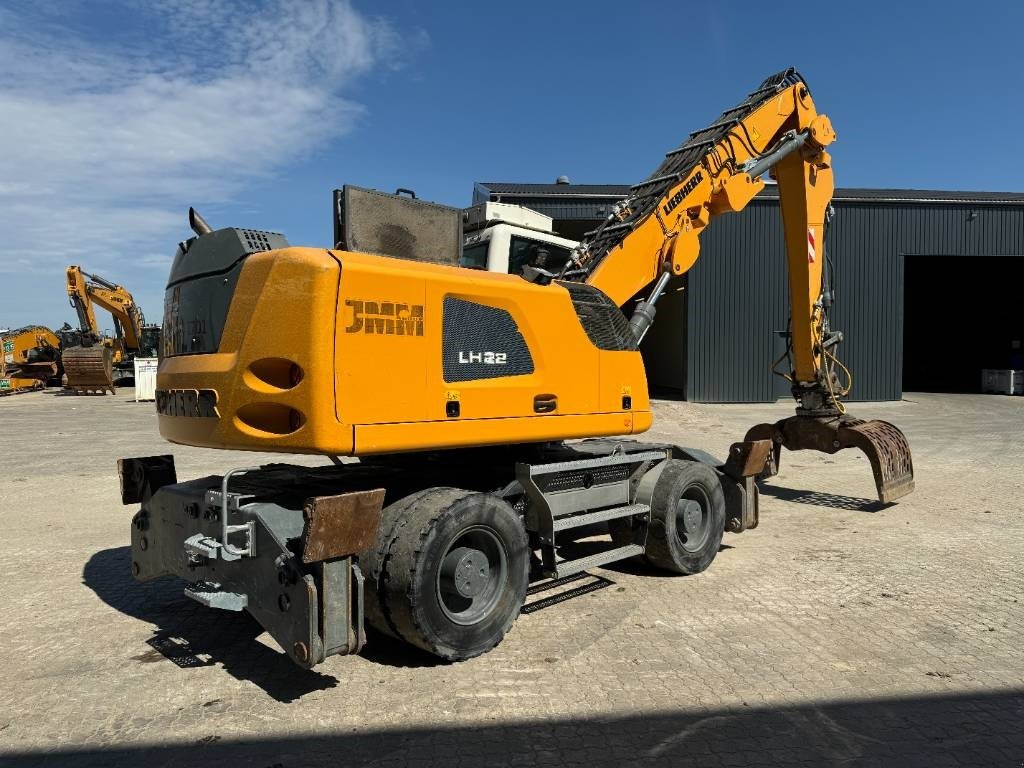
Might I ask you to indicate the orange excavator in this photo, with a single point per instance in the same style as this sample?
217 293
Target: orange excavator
93 363
463 393
31 357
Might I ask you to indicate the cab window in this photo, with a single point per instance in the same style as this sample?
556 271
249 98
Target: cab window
475 256
523 251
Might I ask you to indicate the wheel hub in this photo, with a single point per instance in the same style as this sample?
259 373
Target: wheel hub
692 520
466 570
472 575
691 514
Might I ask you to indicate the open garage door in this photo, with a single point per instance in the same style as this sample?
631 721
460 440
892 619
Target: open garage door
961 314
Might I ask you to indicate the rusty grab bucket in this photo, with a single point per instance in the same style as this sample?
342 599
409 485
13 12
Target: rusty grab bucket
883 443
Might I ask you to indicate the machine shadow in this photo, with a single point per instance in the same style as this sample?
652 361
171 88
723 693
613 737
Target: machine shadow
961 729
189 635
55 392
822 499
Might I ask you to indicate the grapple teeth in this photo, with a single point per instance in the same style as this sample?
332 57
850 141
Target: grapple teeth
883 443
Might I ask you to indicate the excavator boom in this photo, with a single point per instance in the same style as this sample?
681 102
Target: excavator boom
654 234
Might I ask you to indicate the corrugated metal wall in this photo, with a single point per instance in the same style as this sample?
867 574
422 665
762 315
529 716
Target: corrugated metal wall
738 294
717 345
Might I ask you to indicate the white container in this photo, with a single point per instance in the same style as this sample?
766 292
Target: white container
1002 382
145 378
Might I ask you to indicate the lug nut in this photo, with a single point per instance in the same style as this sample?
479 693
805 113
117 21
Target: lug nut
143 543
136 569
301 652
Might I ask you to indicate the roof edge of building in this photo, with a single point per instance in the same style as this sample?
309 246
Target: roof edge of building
845 194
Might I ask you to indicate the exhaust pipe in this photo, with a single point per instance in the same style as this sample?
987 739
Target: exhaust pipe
198 223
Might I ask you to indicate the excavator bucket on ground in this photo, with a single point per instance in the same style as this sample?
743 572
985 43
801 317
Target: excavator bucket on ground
883 443
89 369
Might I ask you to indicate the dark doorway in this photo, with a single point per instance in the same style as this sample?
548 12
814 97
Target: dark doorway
961 314
664 346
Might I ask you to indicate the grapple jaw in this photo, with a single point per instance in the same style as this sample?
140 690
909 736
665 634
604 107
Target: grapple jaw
883 443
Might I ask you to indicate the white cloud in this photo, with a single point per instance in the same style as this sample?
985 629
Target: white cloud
106 138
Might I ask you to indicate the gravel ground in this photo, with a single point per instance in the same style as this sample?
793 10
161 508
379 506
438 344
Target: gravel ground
836 633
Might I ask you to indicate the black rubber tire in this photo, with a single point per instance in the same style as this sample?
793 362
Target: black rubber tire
414 535
679 480
372 562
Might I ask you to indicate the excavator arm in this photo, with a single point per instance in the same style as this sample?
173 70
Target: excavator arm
78 294
655 234
85 289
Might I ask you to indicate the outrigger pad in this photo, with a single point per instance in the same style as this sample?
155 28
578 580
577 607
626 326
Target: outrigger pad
883 443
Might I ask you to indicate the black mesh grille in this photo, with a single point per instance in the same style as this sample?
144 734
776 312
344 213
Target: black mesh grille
604 322
481 342
584 478
257 240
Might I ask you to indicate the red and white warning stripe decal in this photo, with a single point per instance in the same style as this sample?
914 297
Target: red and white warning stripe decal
810 245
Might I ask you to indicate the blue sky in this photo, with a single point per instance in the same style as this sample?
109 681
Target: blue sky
117 116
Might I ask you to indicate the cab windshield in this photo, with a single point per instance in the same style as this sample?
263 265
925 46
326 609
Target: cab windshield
523 251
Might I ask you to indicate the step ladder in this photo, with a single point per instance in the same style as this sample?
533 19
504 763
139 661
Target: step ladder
568 495
610 555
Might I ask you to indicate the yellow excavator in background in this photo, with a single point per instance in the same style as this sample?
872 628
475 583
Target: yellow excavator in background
31 357
460 390
93 363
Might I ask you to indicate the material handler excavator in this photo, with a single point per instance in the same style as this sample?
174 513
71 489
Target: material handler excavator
462 392
95 364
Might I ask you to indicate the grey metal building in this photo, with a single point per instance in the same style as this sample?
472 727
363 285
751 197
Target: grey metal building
928 290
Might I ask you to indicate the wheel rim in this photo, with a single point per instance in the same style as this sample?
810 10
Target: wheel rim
472 573
693 519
